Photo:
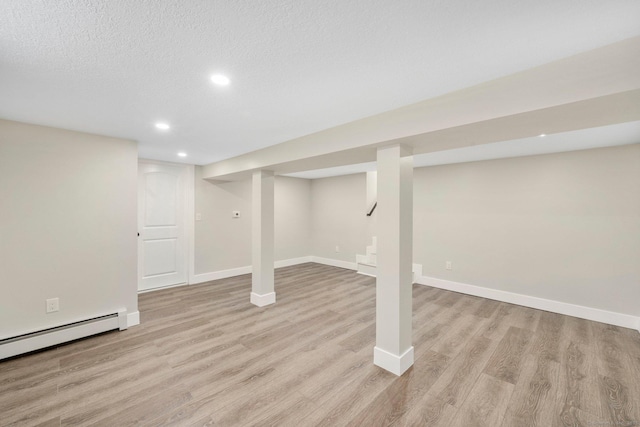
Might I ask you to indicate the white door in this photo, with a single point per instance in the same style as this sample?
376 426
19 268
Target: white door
162 255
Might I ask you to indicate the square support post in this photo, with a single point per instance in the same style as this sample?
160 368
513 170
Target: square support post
262 221
394 350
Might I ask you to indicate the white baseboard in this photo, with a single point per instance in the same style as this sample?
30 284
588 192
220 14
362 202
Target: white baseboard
262 300
395 364
366 270
232 272
335 262
161 288
589 313
292 261
222 274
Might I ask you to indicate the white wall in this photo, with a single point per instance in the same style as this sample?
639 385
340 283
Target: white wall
339 208
68 226
223 242
292 218
220 241
563 227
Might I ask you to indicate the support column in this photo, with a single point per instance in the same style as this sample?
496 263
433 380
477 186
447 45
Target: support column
394 350
262 222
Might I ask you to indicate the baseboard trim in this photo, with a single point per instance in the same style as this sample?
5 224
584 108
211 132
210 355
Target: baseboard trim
292 261
161 288
335 263
232 272
262 300
589 313
222 274
366 274
395 364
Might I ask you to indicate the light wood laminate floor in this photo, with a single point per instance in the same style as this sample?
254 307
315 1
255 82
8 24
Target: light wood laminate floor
204 355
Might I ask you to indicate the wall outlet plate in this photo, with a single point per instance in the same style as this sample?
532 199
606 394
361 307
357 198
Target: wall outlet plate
53 305
236 214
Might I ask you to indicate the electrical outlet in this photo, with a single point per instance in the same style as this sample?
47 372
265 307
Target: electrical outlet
337 248
198 216
448 265
53 305
236 214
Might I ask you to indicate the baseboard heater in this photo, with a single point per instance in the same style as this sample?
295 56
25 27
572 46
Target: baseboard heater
21 344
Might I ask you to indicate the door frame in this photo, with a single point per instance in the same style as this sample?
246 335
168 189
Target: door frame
189 222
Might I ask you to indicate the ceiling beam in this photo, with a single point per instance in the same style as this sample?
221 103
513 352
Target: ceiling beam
595 88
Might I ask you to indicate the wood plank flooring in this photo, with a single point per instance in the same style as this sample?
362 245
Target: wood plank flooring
204 355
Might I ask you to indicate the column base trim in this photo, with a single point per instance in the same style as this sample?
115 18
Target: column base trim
395 364
133 319
262 300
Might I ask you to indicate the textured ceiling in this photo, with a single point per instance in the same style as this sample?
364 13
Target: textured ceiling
115 67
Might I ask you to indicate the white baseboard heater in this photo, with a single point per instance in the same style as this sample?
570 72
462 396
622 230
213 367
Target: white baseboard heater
21 344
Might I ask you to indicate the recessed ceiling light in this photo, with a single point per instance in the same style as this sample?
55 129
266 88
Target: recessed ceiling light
163 126
220 79
182 154
542 135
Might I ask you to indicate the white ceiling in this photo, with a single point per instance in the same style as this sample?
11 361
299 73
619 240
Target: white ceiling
604 136
115 67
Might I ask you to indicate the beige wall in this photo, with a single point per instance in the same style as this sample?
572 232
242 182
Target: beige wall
68 226
292 218
223 242
564 227
339 208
